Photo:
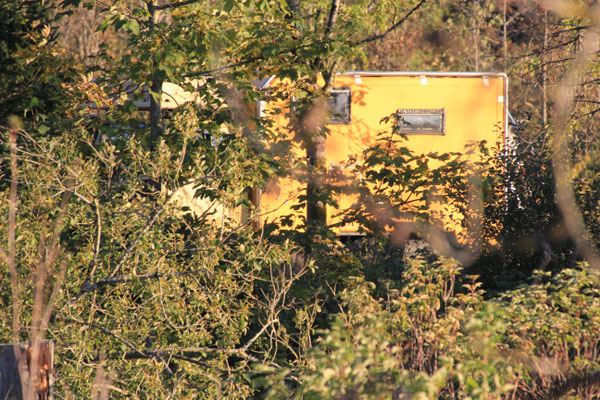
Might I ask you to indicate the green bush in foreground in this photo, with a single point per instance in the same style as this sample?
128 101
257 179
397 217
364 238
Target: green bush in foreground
437 337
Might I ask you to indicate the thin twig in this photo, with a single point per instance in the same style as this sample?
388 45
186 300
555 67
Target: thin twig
176 4
12 253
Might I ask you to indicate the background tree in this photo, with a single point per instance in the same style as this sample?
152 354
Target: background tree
119 252
22 84
330 33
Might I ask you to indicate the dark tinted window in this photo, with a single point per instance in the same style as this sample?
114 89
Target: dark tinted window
339 105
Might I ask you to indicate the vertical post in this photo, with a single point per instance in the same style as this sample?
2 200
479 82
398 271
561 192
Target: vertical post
15 378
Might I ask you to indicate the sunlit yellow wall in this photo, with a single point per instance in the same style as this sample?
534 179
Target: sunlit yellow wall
474 111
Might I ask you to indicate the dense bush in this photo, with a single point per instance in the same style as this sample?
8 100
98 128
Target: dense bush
436 337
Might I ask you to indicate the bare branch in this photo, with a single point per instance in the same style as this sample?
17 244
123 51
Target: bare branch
393 27
189 352
98 238
115 280
176 4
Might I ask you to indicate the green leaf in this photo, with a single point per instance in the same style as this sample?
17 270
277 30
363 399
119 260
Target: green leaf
132 26
228 6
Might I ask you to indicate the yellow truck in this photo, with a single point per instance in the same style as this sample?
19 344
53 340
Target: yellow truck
441 112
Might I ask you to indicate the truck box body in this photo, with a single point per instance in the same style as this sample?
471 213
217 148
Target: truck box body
443 112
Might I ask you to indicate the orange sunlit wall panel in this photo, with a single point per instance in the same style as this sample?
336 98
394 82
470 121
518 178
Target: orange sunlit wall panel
474 109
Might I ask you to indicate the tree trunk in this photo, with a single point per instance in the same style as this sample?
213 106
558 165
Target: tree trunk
311 130
316 212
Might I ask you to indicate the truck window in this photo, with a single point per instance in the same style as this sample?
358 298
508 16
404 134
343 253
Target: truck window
339 105
422 121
